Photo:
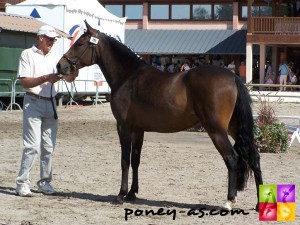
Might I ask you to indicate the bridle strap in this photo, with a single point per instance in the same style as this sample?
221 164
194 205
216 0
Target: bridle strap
91 45
74 64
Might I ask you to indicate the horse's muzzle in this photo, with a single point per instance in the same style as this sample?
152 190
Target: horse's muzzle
64 69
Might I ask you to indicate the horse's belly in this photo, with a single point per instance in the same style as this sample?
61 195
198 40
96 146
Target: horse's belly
163 115
164 122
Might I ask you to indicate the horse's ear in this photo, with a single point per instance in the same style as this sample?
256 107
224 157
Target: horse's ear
88 27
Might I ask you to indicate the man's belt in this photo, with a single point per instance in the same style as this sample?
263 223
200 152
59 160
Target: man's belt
38 96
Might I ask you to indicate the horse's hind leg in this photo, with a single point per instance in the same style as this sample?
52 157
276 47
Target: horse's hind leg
137 143
230 157
255 166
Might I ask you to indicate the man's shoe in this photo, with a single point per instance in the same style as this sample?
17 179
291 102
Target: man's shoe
23 190
45 188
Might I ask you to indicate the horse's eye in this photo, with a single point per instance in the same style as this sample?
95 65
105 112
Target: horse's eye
79 44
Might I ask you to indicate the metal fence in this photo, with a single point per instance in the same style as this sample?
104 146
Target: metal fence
8 89
12 88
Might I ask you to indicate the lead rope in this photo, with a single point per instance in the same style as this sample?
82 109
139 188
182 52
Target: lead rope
73 83
52 98
53 106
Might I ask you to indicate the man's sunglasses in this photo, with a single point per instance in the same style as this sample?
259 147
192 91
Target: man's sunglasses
49 38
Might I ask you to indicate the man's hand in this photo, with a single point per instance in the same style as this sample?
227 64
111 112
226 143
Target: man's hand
30 82
53 78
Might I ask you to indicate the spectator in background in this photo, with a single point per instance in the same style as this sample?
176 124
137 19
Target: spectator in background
160 66
170 68
207 62
185 66
269 76
268 68
293 68
231 66
283 74
292 77
222 65
242 71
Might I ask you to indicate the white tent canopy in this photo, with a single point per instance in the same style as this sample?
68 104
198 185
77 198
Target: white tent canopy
69 16
64 15
92 7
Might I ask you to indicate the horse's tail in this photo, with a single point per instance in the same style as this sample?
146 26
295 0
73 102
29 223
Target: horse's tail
244 143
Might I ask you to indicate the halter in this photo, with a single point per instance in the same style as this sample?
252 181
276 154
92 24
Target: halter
93 42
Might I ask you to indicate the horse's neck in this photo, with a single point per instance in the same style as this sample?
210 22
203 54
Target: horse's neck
116 65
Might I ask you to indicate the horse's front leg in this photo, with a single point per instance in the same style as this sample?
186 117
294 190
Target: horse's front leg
137 138
125 141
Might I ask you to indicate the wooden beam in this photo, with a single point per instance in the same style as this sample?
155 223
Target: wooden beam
249 5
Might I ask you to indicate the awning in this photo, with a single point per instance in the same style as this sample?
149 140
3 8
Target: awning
220 42
19 23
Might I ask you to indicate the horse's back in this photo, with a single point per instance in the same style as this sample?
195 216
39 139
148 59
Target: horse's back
210 76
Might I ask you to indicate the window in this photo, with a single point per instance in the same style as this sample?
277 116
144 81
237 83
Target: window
195 12
265 11
257 11
159 12
180 12
244 12
202 12
223 12
134 12
117 10
286 9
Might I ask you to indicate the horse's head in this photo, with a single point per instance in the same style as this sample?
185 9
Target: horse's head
81 54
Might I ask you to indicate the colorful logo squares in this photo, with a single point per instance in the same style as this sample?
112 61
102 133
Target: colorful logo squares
277 202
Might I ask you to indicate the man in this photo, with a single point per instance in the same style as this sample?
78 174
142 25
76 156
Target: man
231 66
283 73
185 67
37 71
242 71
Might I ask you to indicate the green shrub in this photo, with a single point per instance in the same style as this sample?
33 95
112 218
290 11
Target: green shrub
271 137
269 134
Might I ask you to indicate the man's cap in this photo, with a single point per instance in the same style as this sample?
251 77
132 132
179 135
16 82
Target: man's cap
48 31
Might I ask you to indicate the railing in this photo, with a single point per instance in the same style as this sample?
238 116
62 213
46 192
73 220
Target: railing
271 93
275 25
72 91
15 92
268 87
6 89
10 90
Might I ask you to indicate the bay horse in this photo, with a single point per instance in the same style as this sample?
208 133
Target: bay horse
144 99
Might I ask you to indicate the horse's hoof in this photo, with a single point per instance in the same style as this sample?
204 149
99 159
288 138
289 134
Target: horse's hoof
118 200
257 207
130 197
229 204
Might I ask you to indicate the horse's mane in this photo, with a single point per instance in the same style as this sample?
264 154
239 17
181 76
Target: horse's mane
124 48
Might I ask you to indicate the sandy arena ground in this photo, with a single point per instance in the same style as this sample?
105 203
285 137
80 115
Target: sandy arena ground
178 172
